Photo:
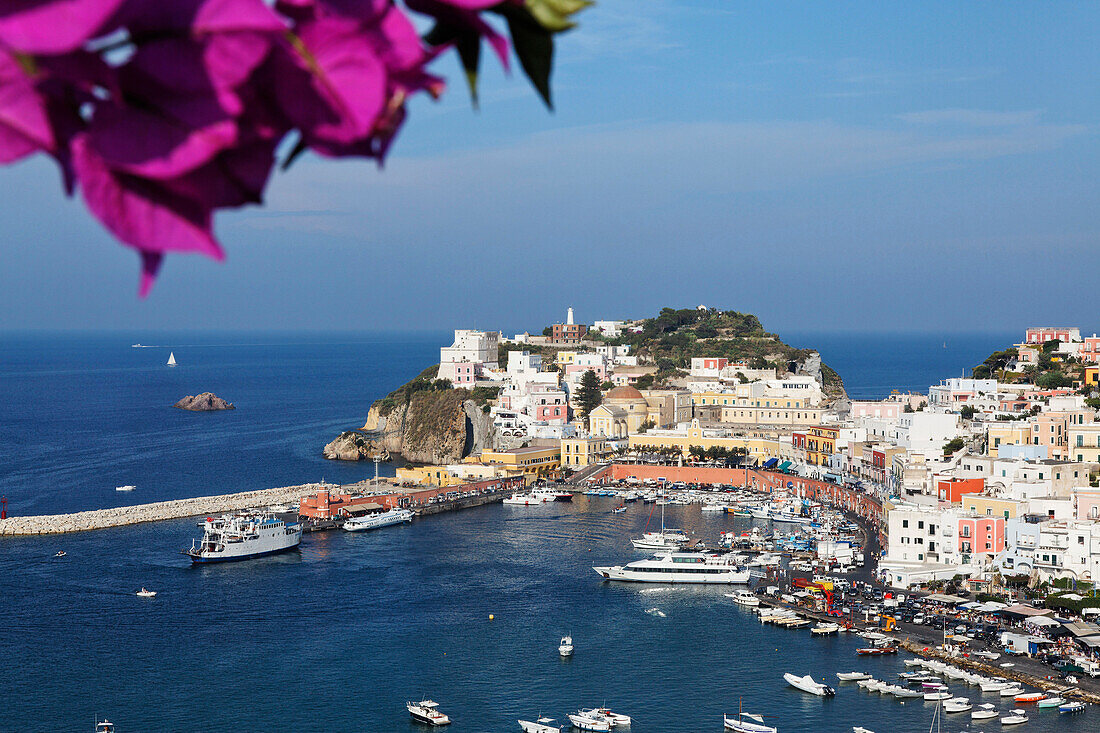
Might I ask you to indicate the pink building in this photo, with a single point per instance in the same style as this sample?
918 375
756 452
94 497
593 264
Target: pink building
599 369
981 535
887 409
548 404
1041 334
1090 352
1086 503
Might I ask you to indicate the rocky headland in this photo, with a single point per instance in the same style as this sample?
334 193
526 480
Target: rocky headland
205 402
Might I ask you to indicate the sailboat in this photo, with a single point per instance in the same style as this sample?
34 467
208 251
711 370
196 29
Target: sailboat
171 358
666 539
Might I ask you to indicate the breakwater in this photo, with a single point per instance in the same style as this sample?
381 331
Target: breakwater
154 512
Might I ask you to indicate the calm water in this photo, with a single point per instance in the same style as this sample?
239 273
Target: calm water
337 636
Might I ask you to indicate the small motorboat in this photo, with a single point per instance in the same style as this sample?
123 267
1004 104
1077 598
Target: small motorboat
808 684
144 593
127 487
565 648
619 509
589 720
541 725
905 693
1029 697
1071 707
1052 702
744 598
60 553
1012 691
747 723
823 629
861 729
957 705
992 656
852 676
937 695
427 711
105 726
985 712
616 719
1014 717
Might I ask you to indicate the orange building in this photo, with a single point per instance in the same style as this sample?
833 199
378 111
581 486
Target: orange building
820 444
952 489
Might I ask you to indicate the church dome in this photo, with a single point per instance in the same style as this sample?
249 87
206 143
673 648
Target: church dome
623 393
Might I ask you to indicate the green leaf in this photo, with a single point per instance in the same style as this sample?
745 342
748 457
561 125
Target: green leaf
469 53
441 33
534 46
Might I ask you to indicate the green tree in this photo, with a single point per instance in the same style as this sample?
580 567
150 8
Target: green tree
953 445
548 332
588 395
967 412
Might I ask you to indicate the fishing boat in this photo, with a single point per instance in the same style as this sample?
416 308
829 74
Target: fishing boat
565 648
427 711
808 684
589 720
616 719
1052 702
747 723
171 358
379 519
1071 707
1029 697
985 712
541 725
1014 717
143 593
679 567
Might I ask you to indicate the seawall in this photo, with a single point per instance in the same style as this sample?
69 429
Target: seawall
157 511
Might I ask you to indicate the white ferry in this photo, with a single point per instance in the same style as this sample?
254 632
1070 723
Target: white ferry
679 567
381 519
242 537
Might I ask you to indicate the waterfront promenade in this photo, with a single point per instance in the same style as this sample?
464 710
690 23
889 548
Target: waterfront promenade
157 511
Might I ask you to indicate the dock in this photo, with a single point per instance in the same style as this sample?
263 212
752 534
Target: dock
153 512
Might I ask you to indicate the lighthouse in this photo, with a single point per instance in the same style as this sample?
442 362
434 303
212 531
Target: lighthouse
569 316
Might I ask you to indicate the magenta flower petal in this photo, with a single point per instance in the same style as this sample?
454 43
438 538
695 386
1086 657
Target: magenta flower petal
334 86
52 26
141 213
150 266
24 125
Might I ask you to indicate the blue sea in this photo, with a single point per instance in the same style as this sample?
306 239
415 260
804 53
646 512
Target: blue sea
338 636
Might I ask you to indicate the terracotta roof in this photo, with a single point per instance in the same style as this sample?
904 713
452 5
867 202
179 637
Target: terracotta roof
623 393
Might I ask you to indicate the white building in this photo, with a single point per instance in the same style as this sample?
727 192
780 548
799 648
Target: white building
611 329
917 432
471 352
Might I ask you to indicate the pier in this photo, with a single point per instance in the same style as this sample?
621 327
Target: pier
154 512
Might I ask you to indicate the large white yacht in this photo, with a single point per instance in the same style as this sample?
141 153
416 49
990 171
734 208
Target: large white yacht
679 567
379 519
243 536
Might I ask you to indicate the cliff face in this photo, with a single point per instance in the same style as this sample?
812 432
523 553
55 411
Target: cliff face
433 427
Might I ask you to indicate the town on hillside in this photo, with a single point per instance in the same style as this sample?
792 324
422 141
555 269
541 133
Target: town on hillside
989 477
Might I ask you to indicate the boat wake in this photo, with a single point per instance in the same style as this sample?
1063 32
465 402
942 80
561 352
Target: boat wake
656 612
657 590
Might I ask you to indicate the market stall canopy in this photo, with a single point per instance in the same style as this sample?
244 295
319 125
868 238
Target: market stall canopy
1024 611
945 598
1040 621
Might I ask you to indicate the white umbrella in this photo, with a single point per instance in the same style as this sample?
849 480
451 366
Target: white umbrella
1040 621
1071 597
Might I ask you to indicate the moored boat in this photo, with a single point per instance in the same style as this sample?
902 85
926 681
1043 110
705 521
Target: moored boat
808 684
1029 697
747 723
984 712
852 676
1071 707
540 725
589 720
679 567
378 520
1052 702
1014 717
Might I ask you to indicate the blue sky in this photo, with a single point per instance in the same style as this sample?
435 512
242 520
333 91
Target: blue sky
829 166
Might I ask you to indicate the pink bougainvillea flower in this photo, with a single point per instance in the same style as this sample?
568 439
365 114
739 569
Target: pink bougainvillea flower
463 15
332 83
24 124
141 213
53 26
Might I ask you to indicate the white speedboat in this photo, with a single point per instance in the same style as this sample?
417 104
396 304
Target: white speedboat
957 705
1071 707
1012 691
617 720
984 712
588 720
744 598
852 676
60 553
127 487
104 726
427 711
243 536
619 509
823 629
541 725
378 520
1054 701
143 593
526 499
937 695
1014 717
861 729
747 723
679 567
808 684
565 648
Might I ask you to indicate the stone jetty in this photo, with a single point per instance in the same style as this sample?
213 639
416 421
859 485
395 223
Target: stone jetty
157 511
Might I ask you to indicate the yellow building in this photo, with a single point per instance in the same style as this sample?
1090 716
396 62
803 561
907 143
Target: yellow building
451 475
1084 443
623 411
820 444
581 452
682 440
1007 433
992 506
772 416
742 396
565 358
1092 376
533 462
